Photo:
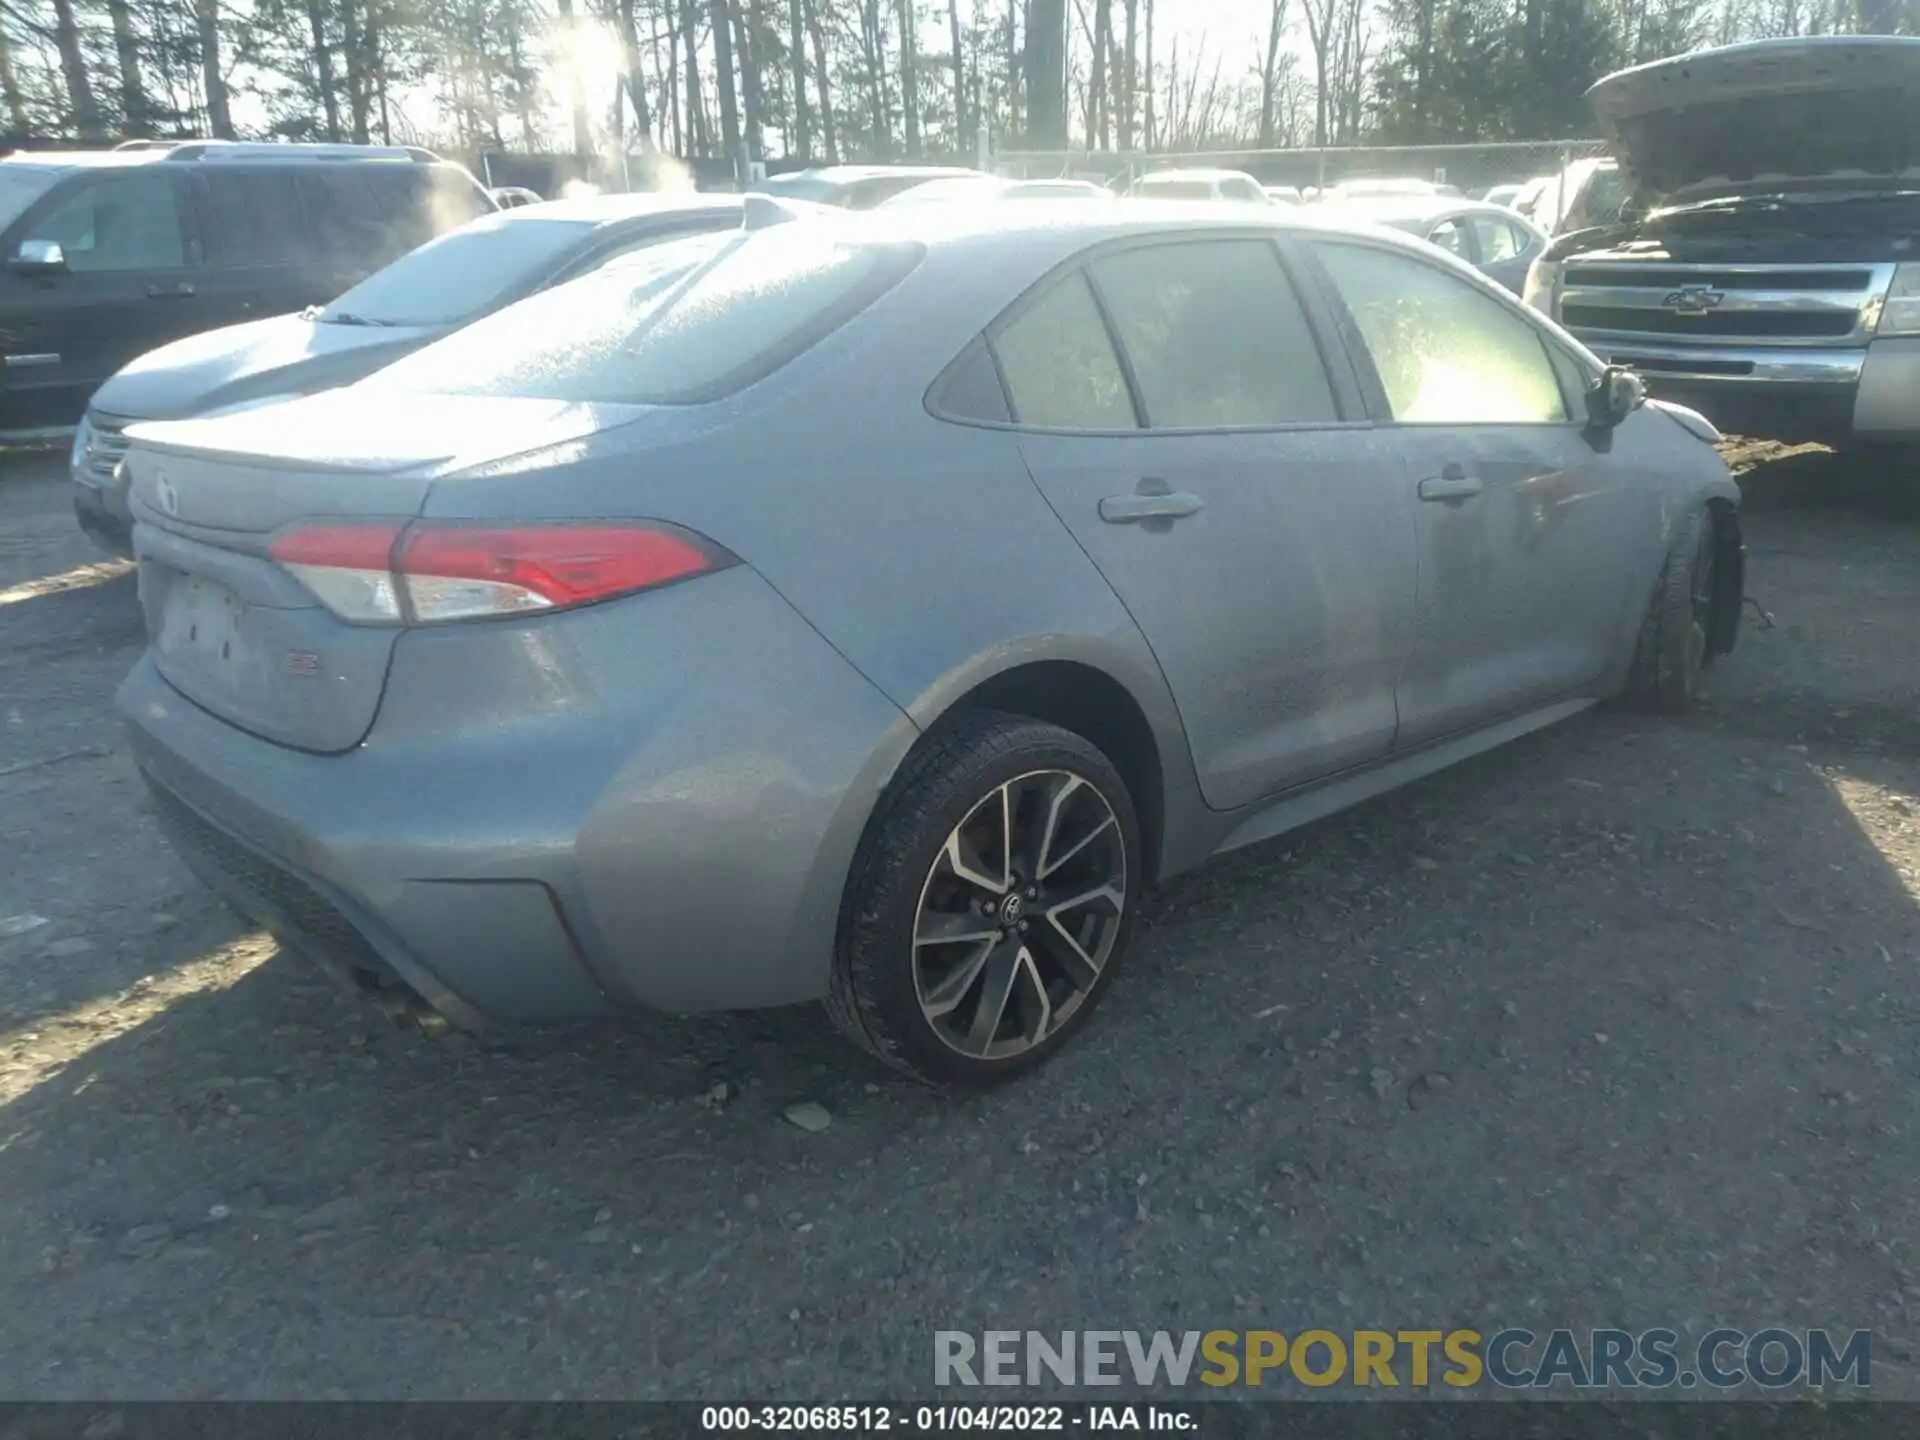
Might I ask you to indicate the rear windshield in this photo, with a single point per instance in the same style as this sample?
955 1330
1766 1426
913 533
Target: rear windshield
679 324
459 275
800 187
1177 189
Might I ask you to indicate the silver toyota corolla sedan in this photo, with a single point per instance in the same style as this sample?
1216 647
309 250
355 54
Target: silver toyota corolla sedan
865 609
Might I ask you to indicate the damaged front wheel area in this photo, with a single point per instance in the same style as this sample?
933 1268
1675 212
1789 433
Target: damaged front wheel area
1695 612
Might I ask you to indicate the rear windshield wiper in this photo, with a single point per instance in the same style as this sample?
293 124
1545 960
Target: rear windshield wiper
342 317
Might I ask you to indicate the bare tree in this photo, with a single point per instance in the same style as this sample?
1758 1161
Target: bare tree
213 78
134 117
798 142
1321 17
723 74
829 131
960 132
73 70
1269 72
910 73
1046 74
10 85
576 93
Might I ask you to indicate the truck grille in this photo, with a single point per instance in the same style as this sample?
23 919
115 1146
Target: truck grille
1818 305
106 445
1733 324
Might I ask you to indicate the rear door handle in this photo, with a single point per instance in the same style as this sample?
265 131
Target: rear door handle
182 291
1452 483
1156 503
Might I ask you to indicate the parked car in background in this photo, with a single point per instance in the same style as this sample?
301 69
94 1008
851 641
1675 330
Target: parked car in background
1767 272
507 197
1503 194
995 188
440 287
1588 192
1283 194
1199 184
1491 238
112 253
1383 187
598 657
858 187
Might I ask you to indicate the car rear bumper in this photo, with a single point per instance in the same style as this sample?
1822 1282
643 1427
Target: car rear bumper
1786 393
652 802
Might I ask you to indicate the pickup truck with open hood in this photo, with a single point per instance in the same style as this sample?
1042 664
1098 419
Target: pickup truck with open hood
1767 270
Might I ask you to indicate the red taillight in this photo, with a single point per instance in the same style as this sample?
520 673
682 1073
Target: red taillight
464 572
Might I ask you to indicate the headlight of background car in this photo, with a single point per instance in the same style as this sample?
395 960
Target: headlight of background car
1543 278
1900 315
82 438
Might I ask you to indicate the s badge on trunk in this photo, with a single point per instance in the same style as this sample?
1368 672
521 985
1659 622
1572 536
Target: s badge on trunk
164 492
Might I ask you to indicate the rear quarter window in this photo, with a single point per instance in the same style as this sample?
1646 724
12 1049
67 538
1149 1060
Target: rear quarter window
253 218
677 324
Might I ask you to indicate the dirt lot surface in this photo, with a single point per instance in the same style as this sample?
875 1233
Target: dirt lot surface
1614 1027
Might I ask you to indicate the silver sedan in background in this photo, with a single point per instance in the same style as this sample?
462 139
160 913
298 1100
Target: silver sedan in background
426 294
866 608
1497 241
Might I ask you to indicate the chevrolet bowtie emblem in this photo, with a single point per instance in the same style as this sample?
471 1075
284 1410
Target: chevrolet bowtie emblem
1693 299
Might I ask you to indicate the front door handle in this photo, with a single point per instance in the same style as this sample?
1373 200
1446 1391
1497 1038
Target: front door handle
182 291
1452 483
1151 500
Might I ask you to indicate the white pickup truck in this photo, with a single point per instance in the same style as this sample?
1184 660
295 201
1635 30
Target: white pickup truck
1767 271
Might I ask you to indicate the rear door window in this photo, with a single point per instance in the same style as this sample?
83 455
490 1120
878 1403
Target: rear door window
1216 336
1059 363
252 217
117 223
1451 236
363 216
1497 239
1446 352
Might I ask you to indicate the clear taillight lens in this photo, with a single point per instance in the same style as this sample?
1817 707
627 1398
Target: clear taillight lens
393 574
1900 313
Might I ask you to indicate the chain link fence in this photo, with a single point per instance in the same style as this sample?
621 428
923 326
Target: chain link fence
1473 169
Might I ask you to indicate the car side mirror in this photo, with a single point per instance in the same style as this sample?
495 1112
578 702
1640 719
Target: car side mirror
40 257
1614 396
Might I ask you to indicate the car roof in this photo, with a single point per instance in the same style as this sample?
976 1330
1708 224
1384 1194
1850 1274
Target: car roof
229 155
82 159
850 174
605 209
1197 172
1049 230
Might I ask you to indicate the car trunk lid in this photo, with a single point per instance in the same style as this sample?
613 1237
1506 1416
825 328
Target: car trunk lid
1759 117
231 629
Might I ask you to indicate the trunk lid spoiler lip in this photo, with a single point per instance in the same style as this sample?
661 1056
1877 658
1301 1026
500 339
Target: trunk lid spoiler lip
544 424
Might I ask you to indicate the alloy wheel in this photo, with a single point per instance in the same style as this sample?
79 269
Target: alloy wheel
1019 914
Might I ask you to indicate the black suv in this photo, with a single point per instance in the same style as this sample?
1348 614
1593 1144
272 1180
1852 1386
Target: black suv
111 253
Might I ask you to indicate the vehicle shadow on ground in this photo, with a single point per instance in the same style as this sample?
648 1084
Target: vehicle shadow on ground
1555 1024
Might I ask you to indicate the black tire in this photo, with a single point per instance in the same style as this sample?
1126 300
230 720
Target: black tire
875 996
1673 650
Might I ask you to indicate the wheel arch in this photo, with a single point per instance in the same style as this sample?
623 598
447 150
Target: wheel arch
1092 704
1117 701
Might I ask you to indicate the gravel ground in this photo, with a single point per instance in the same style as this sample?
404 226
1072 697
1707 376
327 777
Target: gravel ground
1614 1027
